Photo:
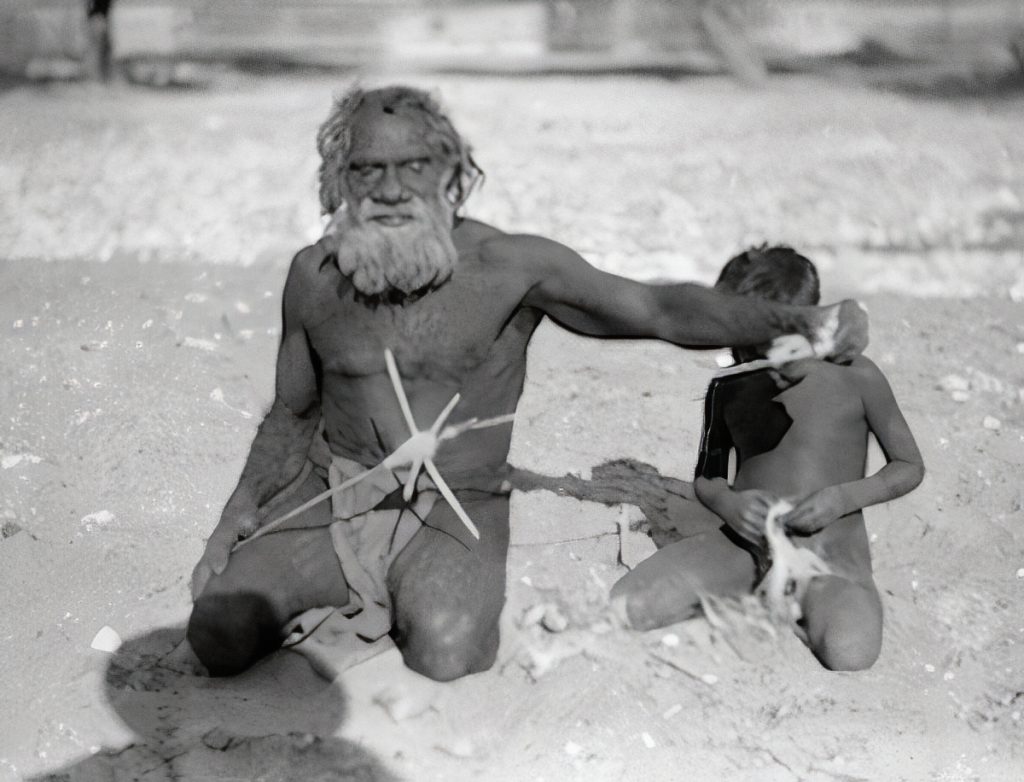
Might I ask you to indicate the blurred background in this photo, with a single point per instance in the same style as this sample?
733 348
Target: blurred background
745 37
657 137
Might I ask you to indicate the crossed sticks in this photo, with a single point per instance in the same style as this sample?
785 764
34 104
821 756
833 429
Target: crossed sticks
417 453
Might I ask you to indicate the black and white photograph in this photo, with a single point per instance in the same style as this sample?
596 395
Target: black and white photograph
512 390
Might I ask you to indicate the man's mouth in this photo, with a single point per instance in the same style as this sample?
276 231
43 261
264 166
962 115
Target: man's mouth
391 220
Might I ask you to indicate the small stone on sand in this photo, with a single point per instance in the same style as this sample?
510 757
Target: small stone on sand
554 620
992 423
955 383
106 640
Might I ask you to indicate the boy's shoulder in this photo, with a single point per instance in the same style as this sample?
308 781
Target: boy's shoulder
866 370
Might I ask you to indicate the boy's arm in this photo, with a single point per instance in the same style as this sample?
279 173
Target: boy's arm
902 473
744 512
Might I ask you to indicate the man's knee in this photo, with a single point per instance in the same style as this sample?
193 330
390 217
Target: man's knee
231 631
448 644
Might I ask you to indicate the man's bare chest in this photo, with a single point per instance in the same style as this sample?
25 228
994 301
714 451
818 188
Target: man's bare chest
443 334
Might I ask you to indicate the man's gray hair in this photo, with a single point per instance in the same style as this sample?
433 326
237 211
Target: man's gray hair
334 141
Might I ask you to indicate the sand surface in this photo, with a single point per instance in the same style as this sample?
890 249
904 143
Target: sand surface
144 238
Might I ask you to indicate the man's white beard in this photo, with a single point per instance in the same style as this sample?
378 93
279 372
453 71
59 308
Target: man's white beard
406 258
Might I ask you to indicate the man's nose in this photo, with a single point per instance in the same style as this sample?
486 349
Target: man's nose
390 189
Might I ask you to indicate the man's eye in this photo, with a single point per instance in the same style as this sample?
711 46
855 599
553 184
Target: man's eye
416 166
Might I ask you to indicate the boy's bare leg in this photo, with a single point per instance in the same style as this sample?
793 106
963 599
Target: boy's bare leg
448 589
666 587
843 622
241 613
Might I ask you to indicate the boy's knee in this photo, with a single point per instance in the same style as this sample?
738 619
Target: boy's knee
840 652
229 632
844 624
647 606
449 644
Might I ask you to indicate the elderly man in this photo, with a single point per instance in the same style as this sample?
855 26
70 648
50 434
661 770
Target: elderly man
456 302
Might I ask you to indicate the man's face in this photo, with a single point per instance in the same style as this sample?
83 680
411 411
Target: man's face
393 169
394 231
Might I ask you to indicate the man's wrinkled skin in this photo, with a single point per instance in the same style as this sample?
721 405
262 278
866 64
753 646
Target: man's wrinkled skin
458 318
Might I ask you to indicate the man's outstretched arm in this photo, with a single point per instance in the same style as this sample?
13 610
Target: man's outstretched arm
281 446
582 298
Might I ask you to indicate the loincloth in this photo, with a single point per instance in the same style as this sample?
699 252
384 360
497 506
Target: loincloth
366 541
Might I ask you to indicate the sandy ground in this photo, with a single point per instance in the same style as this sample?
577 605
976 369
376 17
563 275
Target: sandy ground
138 358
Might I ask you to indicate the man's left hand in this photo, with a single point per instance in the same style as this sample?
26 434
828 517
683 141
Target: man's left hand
842 333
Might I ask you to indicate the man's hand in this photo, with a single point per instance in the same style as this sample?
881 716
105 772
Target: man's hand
816 511
842 333
745 512
232 527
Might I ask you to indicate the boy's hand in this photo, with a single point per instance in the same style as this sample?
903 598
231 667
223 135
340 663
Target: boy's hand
816 511
746 512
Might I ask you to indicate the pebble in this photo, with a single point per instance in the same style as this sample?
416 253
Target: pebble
106 640
929 667
534 614
14 459
99 518
201 344
572 749
992 423
960 396
670 640
648 740
554 620
955 383
672 711
459 748
1020 573
709 678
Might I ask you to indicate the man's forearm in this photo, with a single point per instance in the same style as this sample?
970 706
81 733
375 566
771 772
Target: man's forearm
704 317
277 456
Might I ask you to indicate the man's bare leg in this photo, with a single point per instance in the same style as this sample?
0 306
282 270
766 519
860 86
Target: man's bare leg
448 589
843 622
665 588
239 617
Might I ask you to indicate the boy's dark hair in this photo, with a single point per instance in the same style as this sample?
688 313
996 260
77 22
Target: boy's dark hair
777 273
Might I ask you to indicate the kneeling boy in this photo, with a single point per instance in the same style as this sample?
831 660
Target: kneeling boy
799 433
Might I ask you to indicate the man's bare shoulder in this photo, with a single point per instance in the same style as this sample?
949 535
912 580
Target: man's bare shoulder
306 278
473 231
526 250
309 261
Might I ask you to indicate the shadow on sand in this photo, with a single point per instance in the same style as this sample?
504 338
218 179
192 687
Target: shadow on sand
275 722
